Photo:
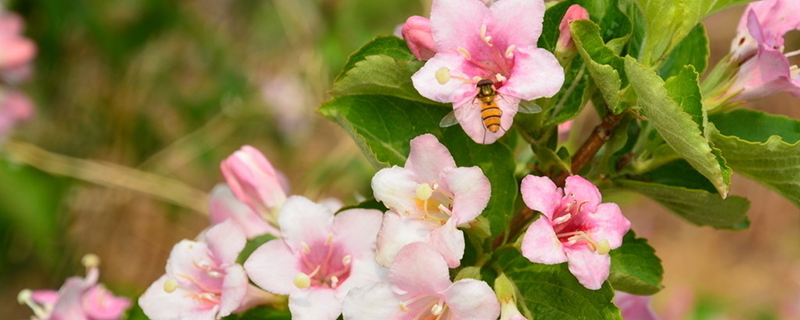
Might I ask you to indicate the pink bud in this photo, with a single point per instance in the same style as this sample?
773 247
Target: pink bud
417 32
575 12
253 180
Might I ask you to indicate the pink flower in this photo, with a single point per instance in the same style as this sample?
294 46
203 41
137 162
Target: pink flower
574 12
574 227
428 200
417 32
634 307
222 205
15 108
419 287
254 181
319 257
16 52
203 280
759 49
495 44
78 299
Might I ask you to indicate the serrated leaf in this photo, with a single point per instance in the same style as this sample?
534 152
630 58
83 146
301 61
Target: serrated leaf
383 45
552 292
635 268
763 147
681 88
696 206
602 63
677 127
381 75
693 50
668 22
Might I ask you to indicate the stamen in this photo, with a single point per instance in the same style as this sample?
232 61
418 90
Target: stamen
580 206
436 309
500 78
403 306
334 281
486 39
329 239
346 260
445 210
26 297
794 71
171 285
464 53
424 191
510 51
443 75
792 54
215 274
302 281
90 260
562 219
306 248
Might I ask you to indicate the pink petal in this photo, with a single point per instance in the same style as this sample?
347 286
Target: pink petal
357 231
364 272
428 157
417 33
69 305
45 297
763 75
254 297
226 240
449 242
222 206
590 268
634 307
314 304
471 191
584 192
471 299
17 52
456 89
234 289
15 108
540 243
158 304
516 22
302 220
536 74
101 304
396 232
377 301
468 113
419 270
541 194
273 267
608 223
183 260
11 24
457 23
396 187
779 16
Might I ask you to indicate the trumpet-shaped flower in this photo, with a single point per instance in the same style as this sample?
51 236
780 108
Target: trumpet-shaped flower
319 257
428 199
476 44
78 299
419 287
203 280
574 227
759 50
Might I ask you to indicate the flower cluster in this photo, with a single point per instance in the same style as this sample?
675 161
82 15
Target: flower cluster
16 54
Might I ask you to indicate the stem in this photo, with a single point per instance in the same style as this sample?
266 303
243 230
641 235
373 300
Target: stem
109 174
600 135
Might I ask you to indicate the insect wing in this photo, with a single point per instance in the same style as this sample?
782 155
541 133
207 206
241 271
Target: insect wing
449 120
529 107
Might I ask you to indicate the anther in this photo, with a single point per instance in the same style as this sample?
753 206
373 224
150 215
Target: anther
403 306
562 219
306 248
90 260
486 39
436 309
346 260
24 296
602 247
443 75
302 281
500 78
510 51
464 53
334 281
170 285
329 239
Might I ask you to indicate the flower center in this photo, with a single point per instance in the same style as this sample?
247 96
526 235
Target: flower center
204 286
426 307
488 60
324 264
435 205
568 228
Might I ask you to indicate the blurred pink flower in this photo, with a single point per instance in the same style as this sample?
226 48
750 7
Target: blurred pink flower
498 43
419 287
203 280
78 299
634 307
16 52
15 108
428 200
319 257
574 227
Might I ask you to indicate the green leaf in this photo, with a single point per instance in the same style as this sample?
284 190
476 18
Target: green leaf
607 13
682 89
391 46
552 292
366 204
261 313
635 268
761 146
573 97
668 22
381 75
252 245
677 127
696 206
602 63
693 50
677 174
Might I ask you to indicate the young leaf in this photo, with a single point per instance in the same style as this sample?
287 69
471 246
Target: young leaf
391 46
676 126
602 63
552 292
693 50
696 206
763 147
635 268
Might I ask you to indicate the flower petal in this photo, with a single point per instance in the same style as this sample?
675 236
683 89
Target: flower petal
158 304
455 89
541 194
457 23
428 157
468 113
608 223
471 191
314 304
536 74
396 232
396 187
222 205
302 220
540 243
471 299
634 306
584 192
273 267
234 289
449 242
419 270
357 230
417 33
763 75
364 272
377 301
517 22
590 268
226 240
183 261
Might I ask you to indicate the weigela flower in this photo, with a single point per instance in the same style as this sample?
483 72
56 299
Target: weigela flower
254 181
634 307
203 280
319 257
759 49
565 47
506 292
475 44
417 33
78 299
222 206
16 52
574 227
419 287
428 200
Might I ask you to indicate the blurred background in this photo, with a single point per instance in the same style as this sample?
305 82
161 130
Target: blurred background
173 87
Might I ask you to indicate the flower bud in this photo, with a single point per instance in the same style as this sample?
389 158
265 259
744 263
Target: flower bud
565 47
254 181
417 32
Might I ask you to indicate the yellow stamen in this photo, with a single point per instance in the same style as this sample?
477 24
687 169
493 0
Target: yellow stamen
464 53
510 51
